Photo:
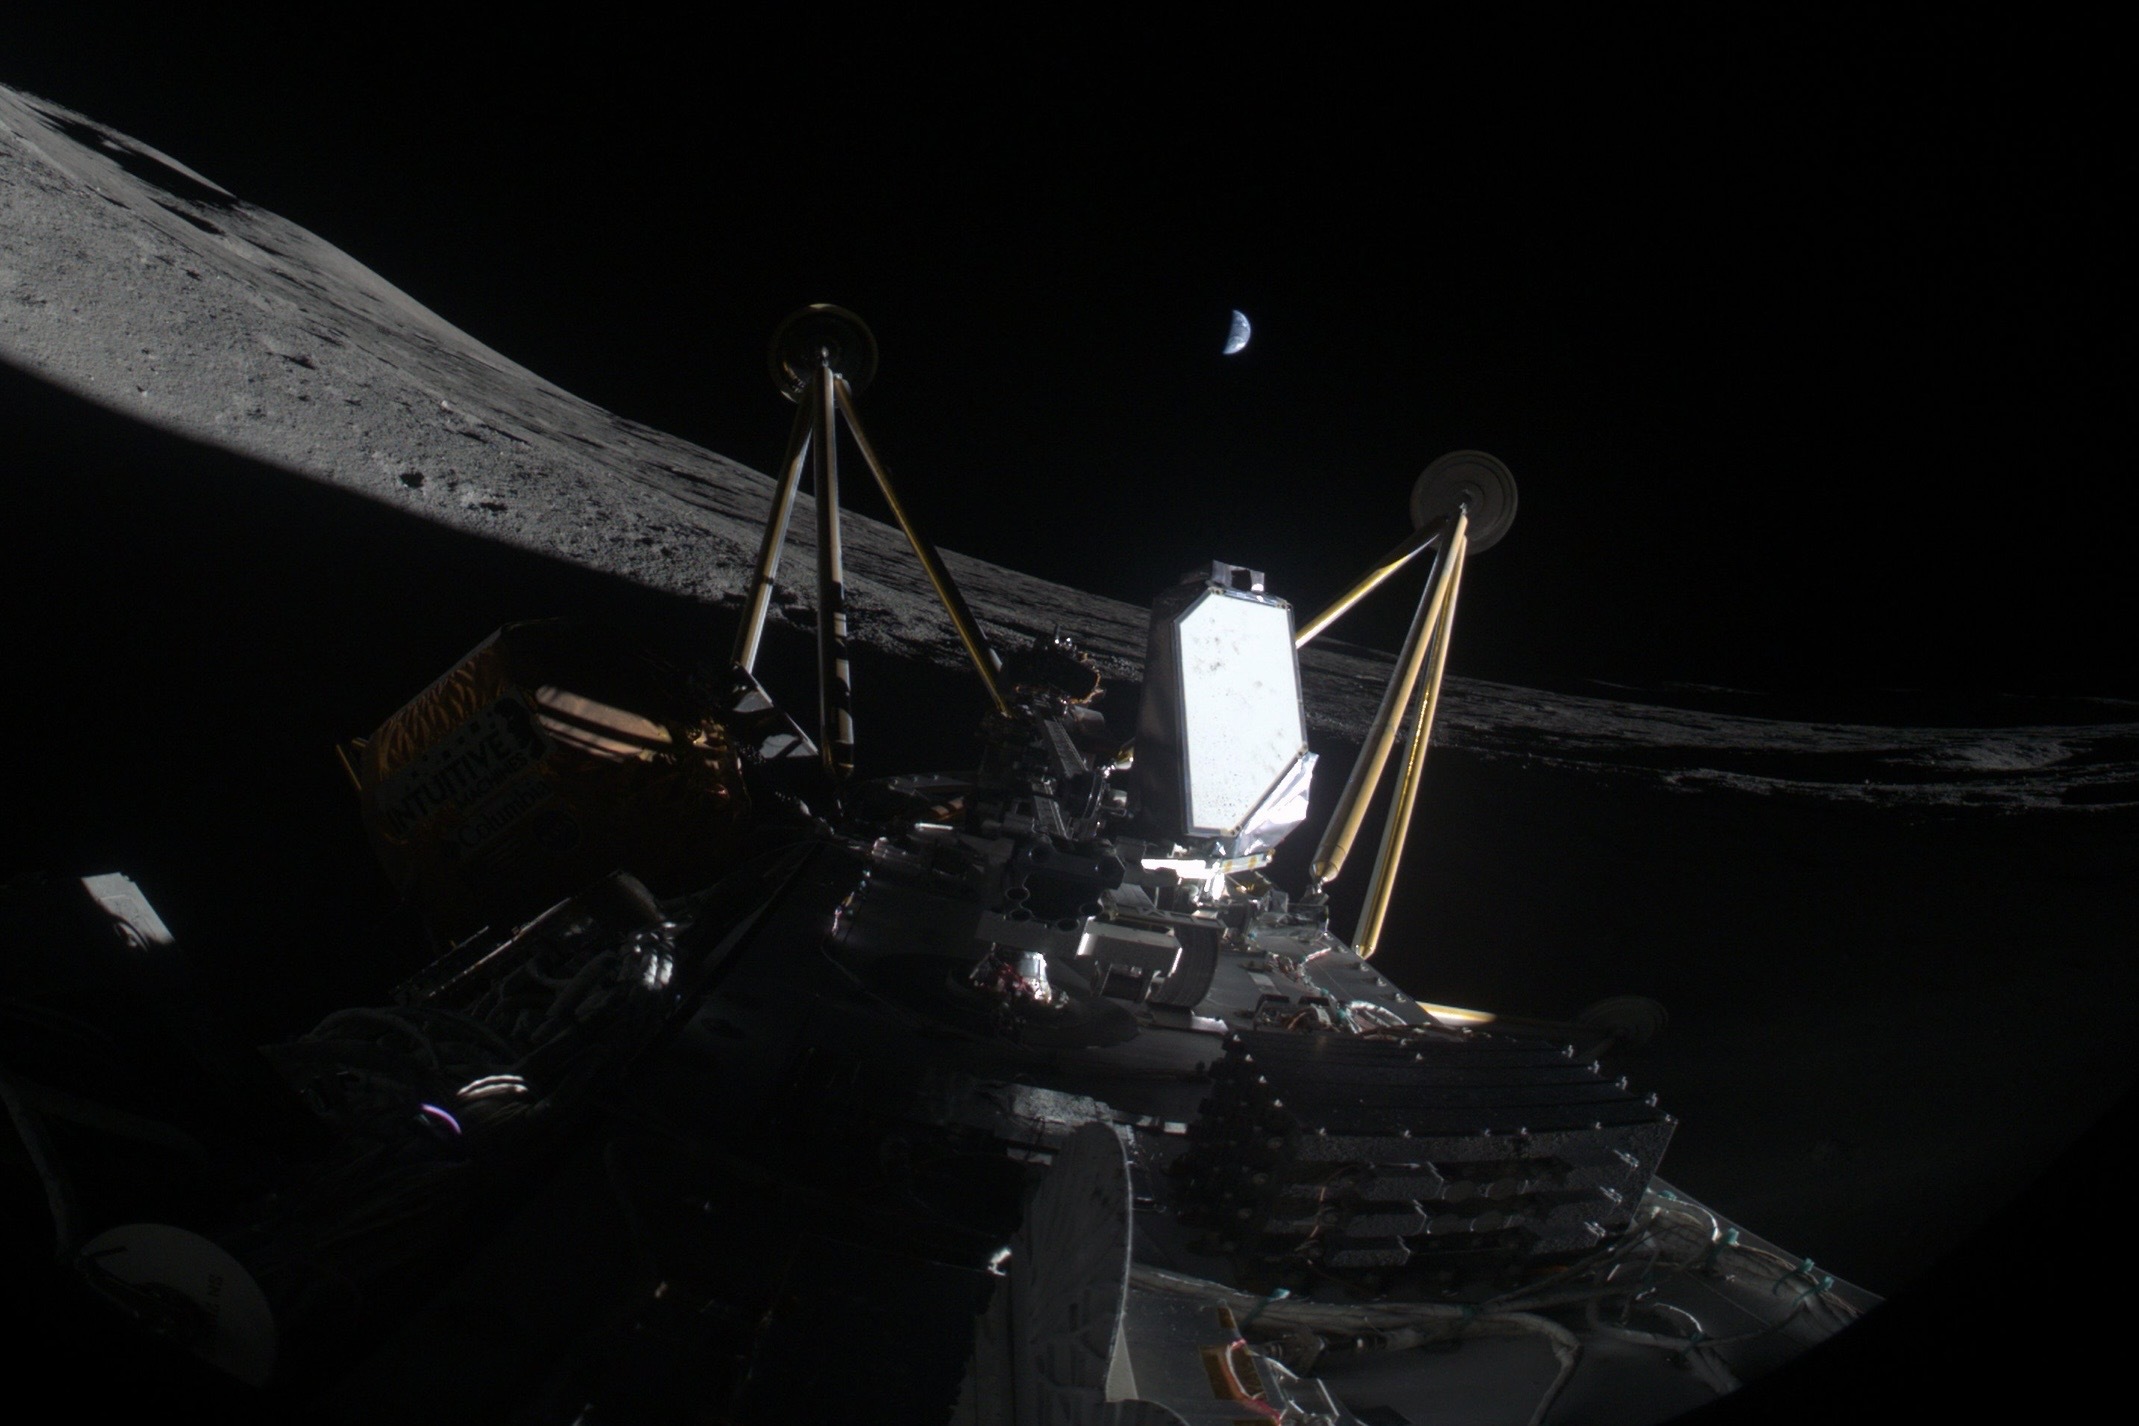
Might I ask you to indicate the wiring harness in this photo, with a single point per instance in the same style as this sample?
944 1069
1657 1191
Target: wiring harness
1615 1293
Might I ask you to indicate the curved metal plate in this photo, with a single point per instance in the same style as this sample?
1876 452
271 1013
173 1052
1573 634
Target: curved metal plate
1471 479
821 332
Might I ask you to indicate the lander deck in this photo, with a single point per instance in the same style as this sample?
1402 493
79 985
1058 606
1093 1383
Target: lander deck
747 1090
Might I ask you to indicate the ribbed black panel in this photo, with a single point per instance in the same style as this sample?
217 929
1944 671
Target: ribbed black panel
1466 1150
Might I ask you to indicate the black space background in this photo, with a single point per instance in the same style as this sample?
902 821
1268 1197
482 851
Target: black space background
1803 337
1806 337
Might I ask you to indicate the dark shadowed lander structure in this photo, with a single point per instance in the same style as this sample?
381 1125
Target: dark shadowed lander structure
741 1087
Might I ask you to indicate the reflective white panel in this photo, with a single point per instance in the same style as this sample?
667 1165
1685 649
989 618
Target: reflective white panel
1283 808
1240 706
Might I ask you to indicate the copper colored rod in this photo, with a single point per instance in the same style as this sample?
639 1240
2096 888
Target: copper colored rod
985 663
1351 809
1396 559
835 694
1381 885
751 631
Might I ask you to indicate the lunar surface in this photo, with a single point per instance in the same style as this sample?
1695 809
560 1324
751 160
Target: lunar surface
1896 953
133 281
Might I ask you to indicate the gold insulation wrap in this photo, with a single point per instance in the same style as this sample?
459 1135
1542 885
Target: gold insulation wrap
552 755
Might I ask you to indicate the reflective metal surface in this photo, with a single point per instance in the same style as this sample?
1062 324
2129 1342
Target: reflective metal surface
1241 728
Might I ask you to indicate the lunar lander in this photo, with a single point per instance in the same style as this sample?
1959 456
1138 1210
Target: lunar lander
744 1089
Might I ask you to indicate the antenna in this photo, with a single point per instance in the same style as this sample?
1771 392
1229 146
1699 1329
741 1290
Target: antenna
821 358
1464 501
